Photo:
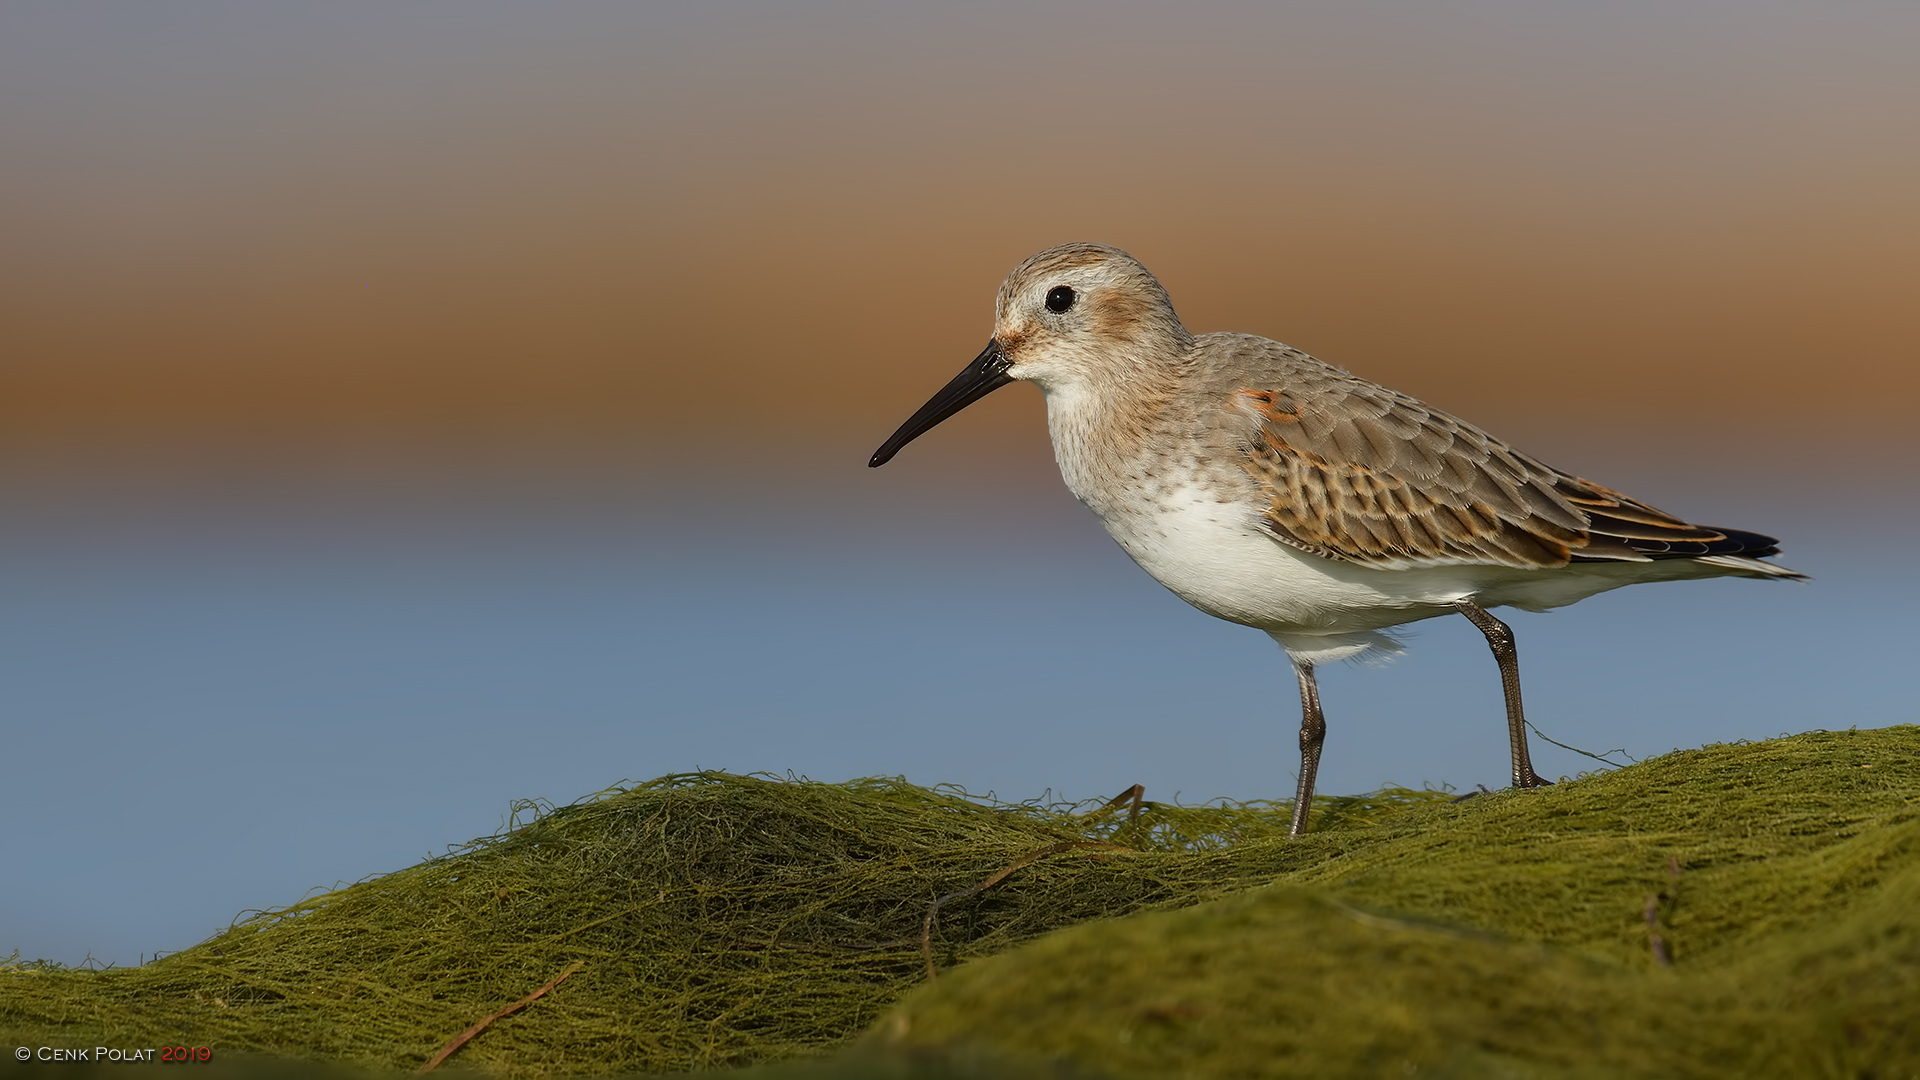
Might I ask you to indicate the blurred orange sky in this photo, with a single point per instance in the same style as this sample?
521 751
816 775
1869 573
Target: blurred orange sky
664 234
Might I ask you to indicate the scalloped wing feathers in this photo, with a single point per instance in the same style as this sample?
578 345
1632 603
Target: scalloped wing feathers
1354 471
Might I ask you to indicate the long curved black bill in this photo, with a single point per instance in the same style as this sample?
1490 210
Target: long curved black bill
987 373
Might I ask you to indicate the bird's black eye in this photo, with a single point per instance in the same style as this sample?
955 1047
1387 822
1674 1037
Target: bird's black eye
1060 298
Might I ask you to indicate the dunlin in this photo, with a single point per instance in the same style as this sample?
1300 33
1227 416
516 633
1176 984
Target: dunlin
1277 491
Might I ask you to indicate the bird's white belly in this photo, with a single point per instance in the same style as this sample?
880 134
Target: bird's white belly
1216 556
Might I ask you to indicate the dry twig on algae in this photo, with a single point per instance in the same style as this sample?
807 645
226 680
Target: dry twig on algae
933 909
466 1036
1130 796
1670 897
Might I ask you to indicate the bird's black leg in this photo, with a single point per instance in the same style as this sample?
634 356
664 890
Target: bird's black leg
1500 639
1313 732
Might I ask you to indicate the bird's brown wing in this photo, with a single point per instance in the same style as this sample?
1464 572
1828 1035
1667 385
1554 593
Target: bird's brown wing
1358 472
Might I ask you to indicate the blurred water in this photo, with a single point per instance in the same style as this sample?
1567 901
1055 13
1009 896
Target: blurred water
215 709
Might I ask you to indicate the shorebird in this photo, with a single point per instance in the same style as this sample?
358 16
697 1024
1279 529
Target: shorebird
1275 490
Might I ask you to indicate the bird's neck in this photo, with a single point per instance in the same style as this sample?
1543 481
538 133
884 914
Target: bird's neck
1103 429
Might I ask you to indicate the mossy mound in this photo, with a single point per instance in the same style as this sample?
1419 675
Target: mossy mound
718 920
714 920
1290 981
1296 981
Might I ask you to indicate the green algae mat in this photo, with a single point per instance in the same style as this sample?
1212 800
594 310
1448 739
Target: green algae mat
1739 910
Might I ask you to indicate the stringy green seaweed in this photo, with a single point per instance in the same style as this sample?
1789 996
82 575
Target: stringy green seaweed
728 920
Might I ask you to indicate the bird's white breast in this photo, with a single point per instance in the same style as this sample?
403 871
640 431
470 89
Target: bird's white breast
1198 531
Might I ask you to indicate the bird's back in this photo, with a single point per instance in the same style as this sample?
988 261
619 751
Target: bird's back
1354 471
